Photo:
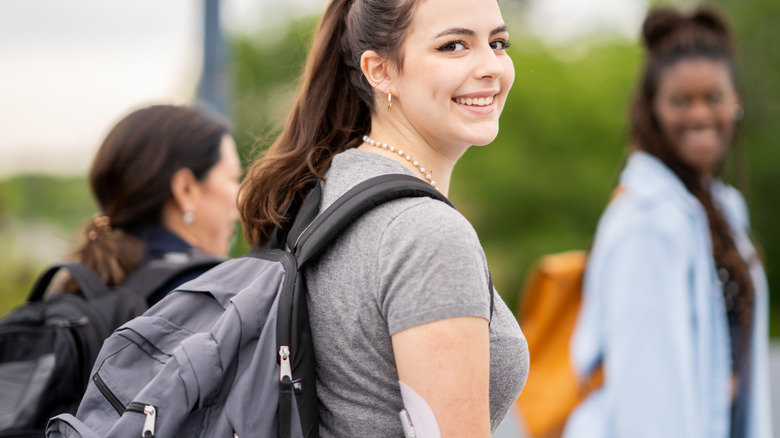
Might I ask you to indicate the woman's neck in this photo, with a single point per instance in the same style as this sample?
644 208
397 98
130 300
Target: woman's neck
412 151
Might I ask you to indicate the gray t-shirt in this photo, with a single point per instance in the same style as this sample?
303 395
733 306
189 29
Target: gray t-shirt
404 263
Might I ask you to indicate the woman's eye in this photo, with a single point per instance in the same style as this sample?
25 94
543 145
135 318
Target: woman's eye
678 101
453 46
714 98
500 44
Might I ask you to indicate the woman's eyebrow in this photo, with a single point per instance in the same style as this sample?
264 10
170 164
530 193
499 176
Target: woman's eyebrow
457 31
469 32
499 29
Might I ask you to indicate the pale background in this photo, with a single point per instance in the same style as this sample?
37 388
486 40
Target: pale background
70 69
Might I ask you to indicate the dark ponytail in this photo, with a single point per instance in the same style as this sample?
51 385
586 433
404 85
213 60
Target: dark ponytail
330 113
670 36
130 179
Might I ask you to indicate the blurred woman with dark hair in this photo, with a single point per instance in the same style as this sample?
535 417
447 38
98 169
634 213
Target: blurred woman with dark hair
165 181
675 301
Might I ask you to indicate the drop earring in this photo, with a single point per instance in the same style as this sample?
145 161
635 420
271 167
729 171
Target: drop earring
188 217
389 102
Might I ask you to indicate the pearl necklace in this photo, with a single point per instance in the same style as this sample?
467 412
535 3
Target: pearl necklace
415 163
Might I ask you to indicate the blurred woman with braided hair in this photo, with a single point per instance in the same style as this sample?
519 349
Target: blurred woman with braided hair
675 299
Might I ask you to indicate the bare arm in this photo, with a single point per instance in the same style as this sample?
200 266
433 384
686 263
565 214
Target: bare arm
447 362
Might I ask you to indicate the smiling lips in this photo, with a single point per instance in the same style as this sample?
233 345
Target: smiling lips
706 137
476 101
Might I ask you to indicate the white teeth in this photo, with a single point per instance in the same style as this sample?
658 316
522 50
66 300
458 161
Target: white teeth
482 101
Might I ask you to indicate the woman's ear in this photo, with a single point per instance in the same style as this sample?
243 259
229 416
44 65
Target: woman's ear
185 190
378 71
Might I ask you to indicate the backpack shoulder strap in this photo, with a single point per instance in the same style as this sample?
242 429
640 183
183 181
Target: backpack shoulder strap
152 275
89 283
309 242
312 233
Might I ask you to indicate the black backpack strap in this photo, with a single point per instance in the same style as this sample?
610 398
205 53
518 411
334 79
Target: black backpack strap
311 241
312 233
148 278
299 213
308 211
89 283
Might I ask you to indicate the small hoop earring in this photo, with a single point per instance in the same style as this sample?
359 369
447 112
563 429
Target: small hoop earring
739 113
389 102
188 217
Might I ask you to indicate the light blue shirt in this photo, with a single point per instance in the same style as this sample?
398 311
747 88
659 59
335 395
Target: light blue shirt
653 312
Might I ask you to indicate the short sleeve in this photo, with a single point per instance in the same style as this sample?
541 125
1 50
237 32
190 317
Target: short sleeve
431 267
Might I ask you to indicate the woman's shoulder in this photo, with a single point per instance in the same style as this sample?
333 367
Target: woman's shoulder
651 200
427 221
630 214
423 219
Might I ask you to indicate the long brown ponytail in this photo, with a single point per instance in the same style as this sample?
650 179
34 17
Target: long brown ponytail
331 111
671 36
130 179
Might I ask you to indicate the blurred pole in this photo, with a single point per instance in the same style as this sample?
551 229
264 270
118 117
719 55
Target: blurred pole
213 80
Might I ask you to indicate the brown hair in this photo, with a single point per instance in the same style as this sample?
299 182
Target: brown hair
671 36
130 179
331 111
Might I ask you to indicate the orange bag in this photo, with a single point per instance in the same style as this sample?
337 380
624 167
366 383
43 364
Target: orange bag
547 314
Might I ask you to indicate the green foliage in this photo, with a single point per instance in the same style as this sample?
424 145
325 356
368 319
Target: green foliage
65 202
264 69
38 216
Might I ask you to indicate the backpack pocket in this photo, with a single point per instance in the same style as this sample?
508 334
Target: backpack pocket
180 393
128 361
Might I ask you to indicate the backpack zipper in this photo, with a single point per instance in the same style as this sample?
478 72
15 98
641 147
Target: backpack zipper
136 407
109 396
284 364
151 417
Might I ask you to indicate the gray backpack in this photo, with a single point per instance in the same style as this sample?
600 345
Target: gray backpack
228 354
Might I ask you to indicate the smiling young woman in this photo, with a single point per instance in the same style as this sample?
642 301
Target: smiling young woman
675 296
399 305
697 105
451 87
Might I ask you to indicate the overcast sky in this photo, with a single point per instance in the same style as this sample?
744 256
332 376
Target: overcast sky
70 69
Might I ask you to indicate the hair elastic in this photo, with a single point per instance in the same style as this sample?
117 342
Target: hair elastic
102 226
